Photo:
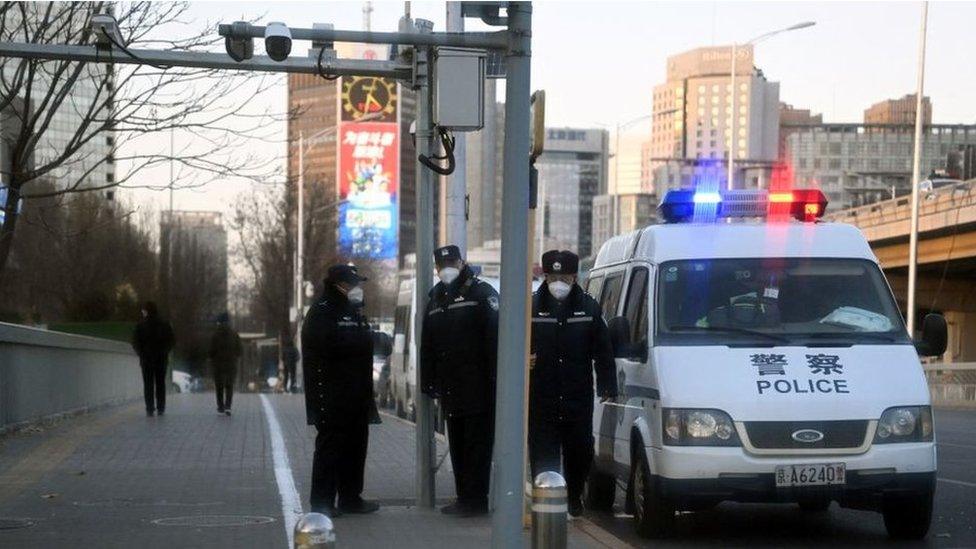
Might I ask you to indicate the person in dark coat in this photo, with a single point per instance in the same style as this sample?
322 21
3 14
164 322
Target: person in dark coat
570 340
289 360
458 353
225 350
152 340
337 346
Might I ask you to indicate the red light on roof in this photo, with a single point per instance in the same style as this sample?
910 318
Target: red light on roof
779 197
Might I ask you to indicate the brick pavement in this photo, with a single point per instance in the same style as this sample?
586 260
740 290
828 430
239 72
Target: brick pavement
109 478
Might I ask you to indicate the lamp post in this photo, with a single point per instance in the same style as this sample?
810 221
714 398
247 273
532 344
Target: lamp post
916 175
616 168
730 182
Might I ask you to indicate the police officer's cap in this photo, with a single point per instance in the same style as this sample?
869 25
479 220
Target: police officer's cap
446 254
344 273
560 262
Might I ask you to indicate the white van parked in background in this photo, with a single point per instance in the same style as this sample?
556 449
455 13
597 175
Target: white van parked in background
760 361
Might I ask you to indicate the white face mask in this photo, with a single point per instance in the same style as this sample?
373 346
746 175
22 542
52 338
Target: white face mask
355 295
448 274
559 289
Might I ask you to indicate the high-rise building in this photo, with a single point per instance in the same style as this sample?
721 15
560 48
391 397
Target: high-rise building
359 153
692 121
194 262
572 170
856 164
94 161
898 111
615 214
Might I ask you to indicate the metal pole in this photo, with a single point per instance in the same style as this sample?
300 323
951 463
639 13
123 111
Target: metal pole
510 405
423 282
457 225
916 174
730 181
549 511
300 246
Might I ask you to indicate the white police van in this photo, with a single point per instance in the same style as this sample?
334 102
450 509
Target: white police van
760 359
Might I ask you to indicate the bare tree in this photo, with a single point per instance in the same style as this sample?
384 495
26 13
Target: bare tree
51 130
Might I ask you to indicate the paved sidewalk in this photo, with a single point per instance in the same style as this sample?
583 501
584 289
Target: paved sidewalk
116 478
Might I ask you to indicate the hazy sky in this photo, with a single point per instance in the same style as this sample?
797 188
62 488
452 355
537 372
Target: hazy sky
598 61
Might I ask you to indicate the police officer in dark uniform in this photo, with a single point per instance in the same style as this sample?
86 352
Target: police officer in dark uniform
457 365
337 344
570 340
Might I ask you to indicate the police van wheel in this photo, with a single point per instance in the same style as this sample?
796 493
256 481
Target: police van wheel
908 517
653 515
600 491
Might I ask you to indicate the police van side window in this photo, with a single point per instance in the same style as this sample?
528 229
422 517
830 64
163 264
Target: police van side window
594 285
636 306
610 295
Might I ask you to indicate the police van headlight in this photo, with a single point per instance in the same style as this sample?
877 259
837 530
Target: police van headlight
905 424
698 427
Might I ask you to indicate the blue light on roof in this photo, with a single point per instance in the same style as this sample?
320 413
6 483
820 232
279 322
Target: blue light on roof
707 198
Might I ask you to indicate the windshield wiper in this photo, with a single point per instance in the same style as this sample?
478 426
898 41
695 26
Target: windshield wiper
732 330
876 336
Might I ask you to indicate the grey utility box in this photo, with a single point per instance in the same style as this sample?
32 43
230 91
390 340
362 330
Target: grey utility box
459 89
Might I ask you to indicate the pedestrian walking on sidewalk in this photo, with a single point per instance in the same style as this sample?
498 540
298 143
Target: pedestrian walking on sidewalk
289 360
570 340
337 349
459 345
225 350
152 340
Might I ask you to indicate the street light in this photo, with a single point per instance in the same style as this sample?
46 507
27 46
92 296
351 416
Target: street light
730 183
616 167
916 175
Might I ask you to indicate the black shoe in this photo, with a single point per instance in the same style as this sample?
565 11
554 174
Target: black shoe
361 507
455 508
330 512
575 507
220 411
227 412
150 413
160 412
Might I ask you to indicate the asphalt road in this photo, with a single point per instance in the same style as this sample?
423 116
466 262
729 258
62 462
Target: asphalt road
734 524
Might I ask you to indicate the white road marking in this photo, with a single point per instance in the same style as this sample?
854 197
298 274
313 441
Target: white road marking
959 482
291 503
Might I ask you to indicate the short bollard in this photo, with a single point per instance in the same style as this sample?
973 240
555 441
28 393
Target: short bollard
315 531
549 511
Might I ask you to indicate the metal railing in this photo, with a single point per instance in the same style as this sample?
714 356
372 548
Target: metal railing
952 384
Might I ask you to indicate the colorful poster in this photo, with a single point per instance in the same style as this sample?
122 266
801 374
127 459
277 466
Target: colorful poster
368 187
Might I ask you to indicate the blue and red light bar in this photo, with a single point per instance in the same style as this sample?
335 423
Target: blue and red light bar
679 205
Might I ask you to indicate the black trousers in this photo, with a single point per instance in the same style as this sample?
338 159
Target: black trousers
289 381
339 461
224 386
471 438
154 386
573 439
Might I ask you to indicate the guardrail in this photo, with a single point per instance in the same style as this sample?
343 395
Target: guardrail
44 375
952 384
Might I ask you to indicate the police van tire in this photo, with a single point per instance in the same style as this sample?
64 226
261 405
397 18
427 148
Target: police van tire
600 491
908 517
653 515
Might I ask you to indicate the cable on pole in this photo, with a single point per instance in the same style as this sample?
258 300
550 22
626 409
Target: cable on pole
432 161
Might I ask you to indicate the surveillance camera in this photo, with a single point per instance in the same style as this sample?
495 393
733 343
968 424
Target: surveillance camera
105 29
239 45
277 41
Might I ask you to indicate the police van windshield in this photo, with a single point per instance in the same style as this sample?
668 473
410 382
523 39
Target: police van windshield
782 301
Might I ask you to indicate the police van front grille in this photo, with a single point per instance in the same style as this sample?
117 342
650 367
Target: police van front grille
779 435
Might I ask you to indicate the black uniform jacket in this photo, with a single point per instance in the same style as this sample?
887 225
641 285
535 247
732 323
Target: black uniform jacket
337 344
152 340
459 345
225 349
570 340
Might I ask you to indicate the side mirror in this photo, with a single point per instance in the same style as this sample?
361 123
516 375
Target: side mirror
619 327
935 334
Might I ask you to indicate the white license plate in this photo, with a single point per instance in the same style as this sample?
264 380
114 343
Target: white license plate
813 474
